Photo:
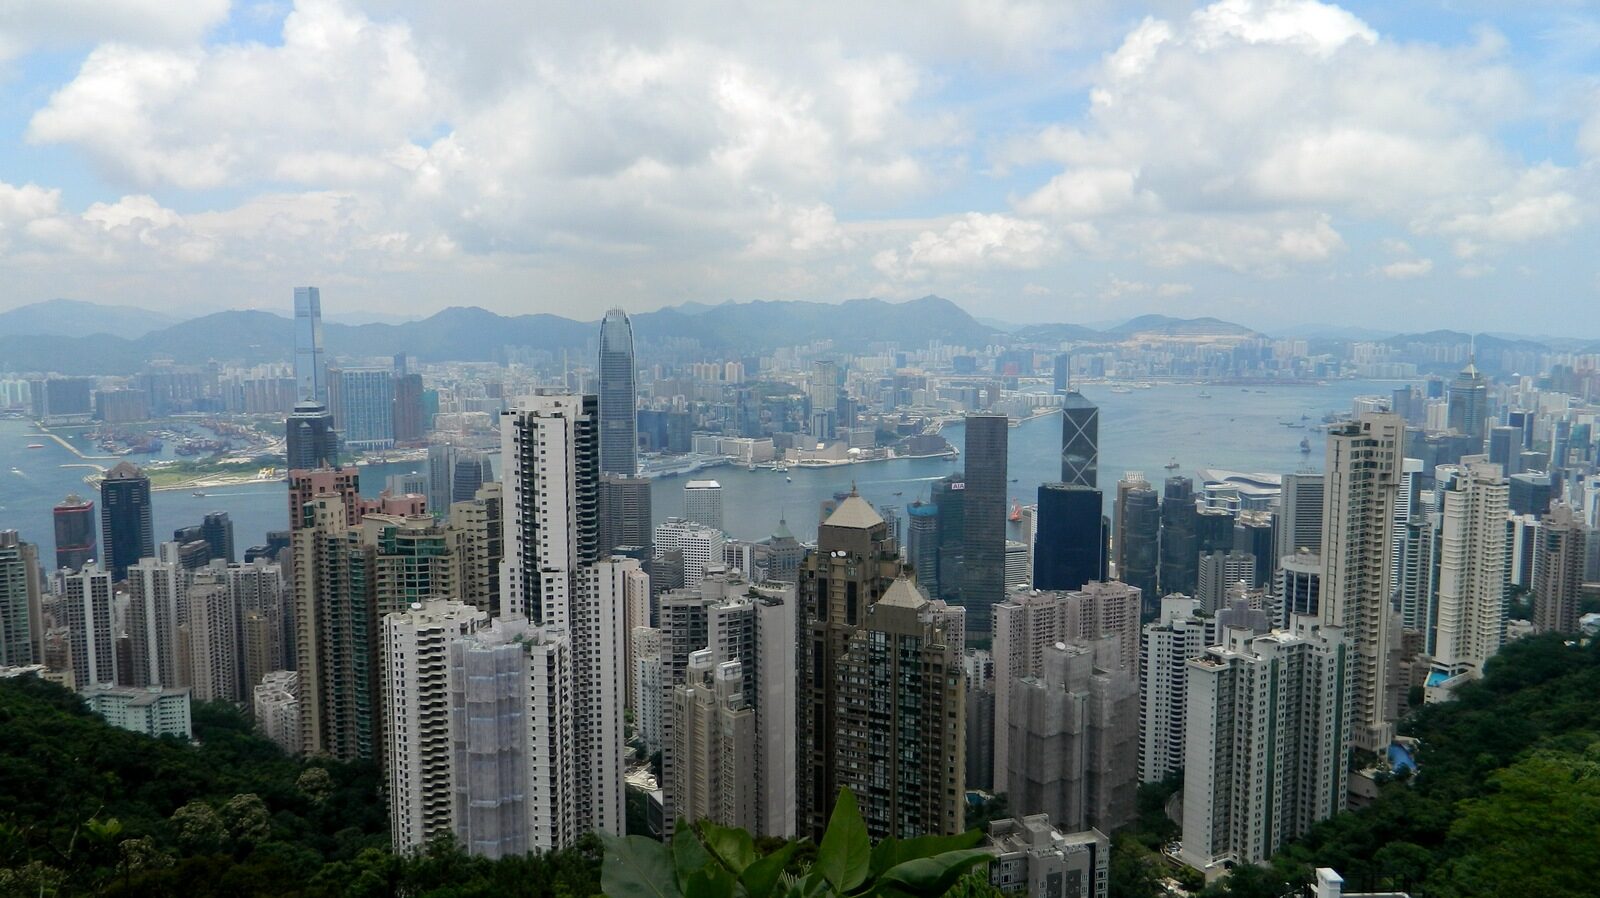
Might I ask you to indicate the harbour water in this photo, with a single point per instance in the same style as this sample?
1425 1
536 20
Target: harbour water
1141 430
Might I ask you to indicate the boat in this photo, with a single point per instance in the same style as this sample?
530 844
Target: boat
1120 390
752 466
899 493
781 468
197 494
1016 511
1171 465
35 445
1305 446
1204 395
788 479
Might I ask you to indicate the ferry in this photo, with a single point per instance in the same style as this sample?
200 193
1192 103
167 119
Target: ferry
1172 465
198 495
1305 446
35 445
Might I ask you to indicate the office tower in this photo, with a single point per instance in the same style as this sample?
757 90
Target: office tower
1137 542
701 546
1069 549
1029 620
216 528
702 503
210 630
1019 564
1061 374
157 607
1179 550
853 567
310 367
1220 572
1531 492
479 547
625 513
552 578
86 610
1080 441
364 410
1213 529
922 544
984 519
310 440
751 627
1558 568
1300 516
411 482
1032 857
410 416
21 597
1362 478
1074 735
950 497
1468 402
619 433
784 555
75 532
1256 533
823 391
1300 585
1267 738
1505 448
1470 618
1168 643
418 757
441 477
276 704
127 530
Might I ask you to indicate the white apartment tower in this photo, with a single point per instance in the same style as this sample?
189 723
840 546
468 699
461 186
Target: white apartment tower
86 606
1168 644
702 546
1474 500
1268 733
1362 485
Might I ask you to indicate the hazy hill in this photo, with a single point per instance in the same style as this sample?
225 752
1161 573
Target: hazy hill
1181 327
72 317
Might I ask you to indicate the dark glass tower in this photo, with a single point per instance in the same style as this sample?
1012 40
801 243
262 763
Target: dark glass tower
1080 441
1063 374
1179 551
216 529
619 433
1468 404
1138 539
75 540
1070 547
983 577
310 441
127 529
949 496
471 471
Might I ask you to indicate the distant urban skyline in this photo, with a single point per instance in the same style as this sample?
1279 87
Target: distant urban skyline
1409 168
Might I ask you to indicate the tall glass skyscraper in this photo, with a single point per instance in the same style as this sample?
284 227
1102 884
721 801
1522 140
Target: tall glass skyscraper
1070 546
1468 406
127 526
619 430
310 367
983 579
1080 441
309 438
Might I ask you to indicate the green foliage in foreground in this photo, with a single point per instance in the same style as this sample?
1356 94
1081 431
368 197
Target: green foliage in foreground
712 861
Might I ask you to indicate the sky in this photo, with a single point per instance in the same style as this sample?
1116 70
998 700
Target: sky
1275 162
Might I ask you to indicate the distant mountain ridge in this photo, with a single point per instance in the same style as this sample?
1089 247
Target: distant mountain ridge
70 317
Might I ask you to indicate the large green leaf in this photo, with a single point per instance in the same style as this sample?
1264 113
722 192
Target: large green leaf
688 856
891 851
930 876
733 847
760 878
845 856
709 881
637 867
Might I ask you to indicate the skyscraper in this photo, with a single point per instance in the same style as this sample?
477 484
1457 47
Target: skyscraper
364 410
619 433
409 415
309 438
984 526
1362 486
470 471
1080 441
1469 621
1300 516
1069 548
87 611
1061 374
1469 405
1179 549
127 528
625 510
1138 537
310 367
21 594
1558 567
216 528
441 477
75 529
702 503
1168 642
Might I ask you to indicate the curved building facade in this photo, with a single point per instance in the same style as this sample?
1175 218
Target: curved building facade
619 433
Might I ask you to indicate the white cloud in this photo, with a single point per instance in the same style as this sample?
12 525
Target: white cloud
1406 269
25 25
974 241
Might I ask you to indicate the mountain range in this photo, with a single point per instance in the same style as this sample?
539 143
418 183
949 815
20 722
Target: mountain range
73 337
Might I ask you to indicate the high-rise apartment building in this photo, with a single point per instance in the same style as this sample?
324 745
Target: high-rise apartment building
1028 621
127 527
1268 732
276 704
87 611
1469 615
1221 572
714 743
310 366
419 731
157 607
1074 735
1138 538
479 547
983 571
1167 645
619 398
700 546
1080 441
21 597
1558 568
363 407
1069 547
702 503
1362 483
209 634
75 532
